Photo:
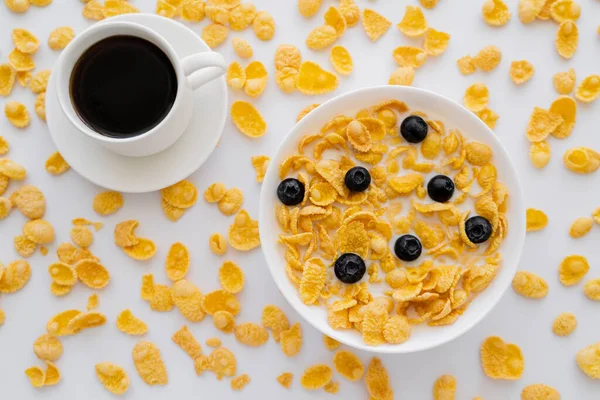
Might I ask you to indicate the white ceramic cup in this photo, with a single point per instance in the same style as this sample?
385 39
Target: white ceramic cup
192 72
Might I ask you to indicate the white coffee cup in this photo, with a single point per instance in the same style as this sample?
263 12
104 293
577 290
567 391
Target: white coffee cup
192 72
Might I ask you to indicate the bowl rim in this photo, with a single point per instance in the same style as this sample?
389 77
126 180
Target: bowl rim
269 251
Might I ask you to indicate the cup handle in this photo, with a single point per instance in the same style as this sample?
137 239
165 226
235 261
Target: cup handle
202 68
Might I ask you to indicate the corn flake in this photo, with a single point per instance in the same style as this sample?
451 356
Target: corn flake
56 164
93 10
529 285
113 377
488 58
573 269
581 227
316 377
231 277
409 56
25 41
466 65
521 71
182 194
36 376
52 376
564 82
567 39
264 26
130 324
291 340
564 324
106 203
149 364
501 360
536 220
224 321
314 80
217 244
592 289
17 114
92 273
82 236
222 362
530 9
348 365
62 274
378 381
242 48
239 382
476 97
248 119
251 334
275 319
313 279
541 124
308 8
285 379
589 89
144 249
220 300
402 76
60 37
495 12
256 79
539 391
242 16
341 60
20 61
564 10
436 42
413 23
58 325
214 34
48 347
7 79
374 24
581 160
444 388
588 360
215 192
243 233
187 342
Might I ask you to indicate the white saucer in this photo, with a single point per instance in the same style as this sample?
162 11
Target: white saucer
147 174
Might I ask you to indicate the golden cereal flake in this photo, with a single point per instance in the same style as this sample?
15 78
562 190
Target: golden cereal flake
243 233
62 274
350 11
213 342
217 14
275 319
93 302
4 146
39 231
12 170
236 75
25 247
564 324
130 324
564 10
581 227
566 107
92 273
52 375
149 363
332 387
164 9
291 340
413 22
592 289
86 320
581 160
541 124
56 164
220 300
242 48
348 365
231 202
248 119
488 58
215 192
113 377
521 71
222 362
106 203
256 79
564 82
242 16
48 347
60 37
341 60
588 360
231 277
501 360
224 321
402 76
144 249
188 299
444 388
409 56
321 37
5 207
21 61
36 376
588 89
162 299
466 65
217 244
436 42
214 34
260 164
58 325
60 290
495 12
573 269
172 212
24 77
286 79
285 379
264 26
178 261
567 39
7 79
308 8
17 114
187 342
239 382
530 9
529 285
182 194
374 24
39 81
539 391
316 377
333 17
536 219
25 41
124 233
476 97
313 280
93 10
378 381
251 334
82 236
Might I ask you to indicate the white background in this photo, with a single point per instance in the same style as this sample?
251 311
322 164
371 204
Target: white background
563 195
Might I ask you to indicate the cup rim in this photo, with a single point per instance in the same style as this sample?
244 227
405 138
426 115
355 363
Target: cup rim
74 50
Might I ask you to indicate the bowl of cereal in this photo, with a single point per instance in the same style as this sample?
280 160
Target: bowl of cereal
384 219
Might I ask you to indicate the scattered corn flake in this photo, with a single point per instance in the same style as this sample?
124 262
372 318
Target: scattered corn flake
25 41
529 285
60 37
565 10
224 321
58 325
291 340
182 194
476 97
285 379
335 19
239 382
106 203
39 231
275 319
40 106
588 360
541 124
243 233
539 391
308 8
348 365
374 24
124 233
251 334
36 376
466 65
256 79
217 14
21 61
24 77
178 261
188 299
217 244
564 82
316 377
92 273
93 302
144 249
314 80
436 42
4 146
220 300
222 362
489 117
164 9
495 12
413 22
350 11
162 299
409 56
402 76
56 164
501 360
242 48
264 26
332 387
321 37
378 381
214 34
260 164
213 342
341 60
567 39
25 247
193 10
86 320
5 208
39 81
113 377
521 71
52 376
7 79
573 269
93 10
242 16
130 324
187 342
530 9
82 236
592 289
149 364
248 119
566 107
581 227
581 160
536 219
564 324
286 79
60 290
48 347
62 273
444 388
231 202
172 212
488 58
12 170
17 114
231 277
588 89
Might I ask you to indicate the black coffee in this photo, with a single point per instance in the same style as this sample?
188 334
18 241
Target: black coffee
123 86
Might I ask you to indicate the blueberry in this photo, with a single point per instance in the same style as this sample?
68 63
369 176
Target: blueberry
357 179
408 248
290 191
478 229
440 188
349 268
413 129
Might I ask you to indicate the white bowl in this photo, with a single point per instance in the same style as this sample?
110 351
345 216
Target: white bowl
454 116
